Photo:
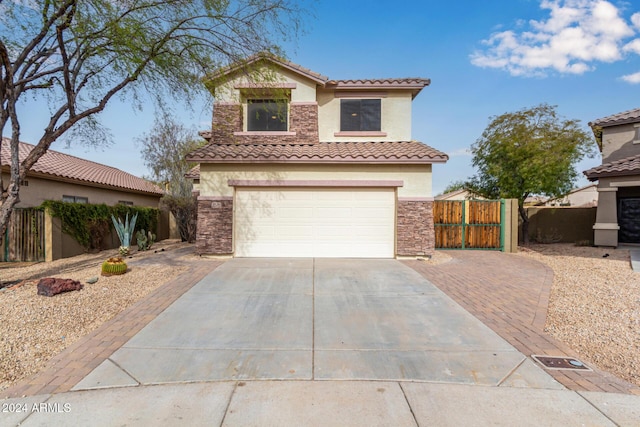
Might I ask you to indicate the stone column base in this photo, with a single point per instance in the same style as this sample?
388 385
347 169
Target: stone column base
415 234
214 234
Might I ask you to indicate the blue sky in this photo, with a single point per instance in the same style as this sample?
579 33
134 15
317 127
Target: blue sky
483 58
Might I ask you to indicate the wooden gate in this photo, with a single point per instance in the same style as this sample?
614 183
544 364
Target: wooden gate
469 224
24 239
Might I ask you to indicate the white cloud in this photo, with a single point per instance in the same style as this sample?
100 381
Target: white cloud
576 35
461 152
632 78
633 46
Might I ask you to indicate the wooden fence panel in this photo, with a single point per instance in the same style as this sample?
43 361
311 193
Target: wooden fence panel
468 224
25 236
448 218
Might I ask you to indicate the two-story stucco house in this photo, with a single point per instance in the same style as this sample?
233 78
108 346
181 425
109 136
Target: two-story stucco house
299 165
618 214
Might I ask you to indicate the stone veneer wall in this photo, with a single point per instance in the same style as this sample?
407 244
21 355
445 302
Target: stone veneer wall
415 231
227 119
214 234
303 120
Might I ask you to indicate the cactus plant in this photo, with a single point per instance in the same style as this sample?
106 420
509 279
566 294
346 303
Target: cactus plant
113 266
145 241
125 231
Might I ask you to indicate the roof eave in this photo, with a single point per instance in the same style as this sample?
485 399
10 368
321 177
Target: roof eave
327 161
226 73
60 178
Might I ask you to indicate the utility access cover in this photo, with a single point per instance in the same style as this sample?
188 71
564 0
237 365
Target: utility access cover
560 362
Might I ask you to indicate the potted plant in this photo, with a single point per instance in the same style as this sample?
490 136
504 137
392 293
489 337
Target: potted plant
125 231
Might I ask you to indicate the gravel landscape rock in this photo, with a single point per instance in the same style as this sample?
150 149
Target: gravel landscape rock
33 328
594 305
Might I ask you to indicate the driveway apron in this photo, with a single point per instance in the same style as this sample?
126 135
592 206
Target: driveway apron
316 319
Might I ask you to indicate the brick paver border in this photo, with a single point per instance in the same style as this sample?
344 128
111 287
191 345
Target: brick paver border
510 293
70 366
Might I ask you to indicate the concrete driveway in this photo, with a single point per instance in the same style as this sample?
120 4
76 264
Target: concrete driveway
320 319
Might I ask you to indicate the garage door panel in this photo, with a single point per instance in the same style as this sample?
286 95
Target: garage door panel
294 212
333 213
315 223
333 232
293 232
368 233
371 214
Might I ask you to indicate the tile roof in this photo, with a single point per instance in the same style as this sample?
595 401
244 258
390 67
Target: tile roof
194 172
622 167
63 166
397 152
631 116
414 83
240 65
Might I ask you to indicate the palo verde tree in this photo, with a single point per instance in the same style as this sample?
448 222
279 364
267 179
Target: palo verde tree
164 150
78 55
531 151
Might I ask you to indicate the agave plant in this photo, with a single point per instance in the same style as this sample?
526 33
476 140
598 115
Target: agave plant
125 231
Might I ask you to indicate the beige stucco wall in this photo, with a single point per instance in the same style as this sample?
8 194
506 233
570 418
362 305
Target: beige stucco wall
304 91
40 190
619 142
214 178
396 117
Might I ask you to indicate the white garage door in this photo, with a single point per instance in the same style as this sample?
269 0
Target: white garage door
324 223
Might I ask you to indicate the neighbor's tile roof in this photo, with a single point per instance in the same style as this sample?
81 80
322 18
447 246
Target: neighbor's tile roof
631 116
398 152
622 167
66 167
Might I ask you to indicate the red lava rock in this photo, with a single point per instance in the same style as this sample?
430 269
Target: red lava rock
51 286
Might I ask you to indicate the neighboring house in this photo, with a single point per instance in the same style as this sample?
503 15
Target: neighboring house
535 201
58 176
299 165
618 214
586 196
461 194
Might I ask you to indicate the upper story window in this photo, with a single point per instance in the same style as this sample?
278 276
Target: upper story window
360 115
267 115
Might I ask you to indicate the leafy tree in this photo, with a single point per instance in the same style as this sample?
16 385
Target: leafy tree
78 55
531 151
164 150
